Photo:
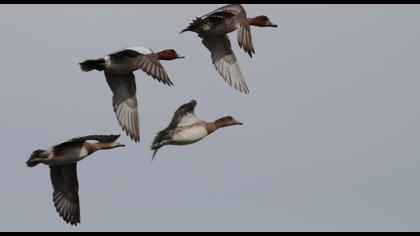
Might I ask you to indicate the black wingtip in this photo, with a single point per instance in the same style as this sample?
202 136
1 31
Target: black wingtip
73 223
135 139
193 102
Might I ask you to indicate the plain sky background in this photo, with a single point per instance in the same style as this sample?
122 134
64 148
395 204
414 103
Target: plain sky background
331 131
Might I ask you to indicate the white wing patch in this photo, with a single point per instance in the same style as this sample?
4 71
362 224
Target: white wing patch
141 50
189 119
83 153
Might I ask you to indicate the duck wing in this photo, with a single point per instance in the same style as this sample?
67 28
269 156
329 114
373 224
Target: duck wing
65 195
151 65
225 61
238 14
184 115
124 101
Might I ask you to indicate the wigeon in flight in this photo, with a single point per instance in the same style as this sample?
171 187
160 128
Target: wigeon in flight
213 29
62 160
118 68
186 128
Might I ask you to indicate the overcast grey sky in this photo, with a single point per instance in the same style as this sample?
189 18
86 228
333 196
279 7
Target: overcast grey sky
331 131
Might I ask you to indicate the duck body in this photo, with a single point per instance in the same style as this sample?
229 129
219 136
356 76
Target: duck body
66 156
121 62
126 60
184 135
120 65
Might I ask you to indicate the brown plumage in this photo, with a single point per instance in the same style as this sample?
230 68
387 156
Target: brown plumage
62 160
186 128
213 29
119 70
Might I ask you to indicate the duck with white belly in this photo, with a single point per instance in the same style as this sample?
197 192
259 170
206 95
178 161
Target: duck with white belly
186 128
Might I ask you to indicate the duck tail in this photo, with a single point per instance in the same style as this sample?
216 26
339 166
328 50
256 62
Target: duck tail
184 30
161 139
35 158
154 153
88 65
156 146
195 26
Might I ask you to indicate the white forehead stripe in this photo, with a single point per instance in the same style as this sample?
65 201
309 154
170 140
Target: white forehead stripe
141 50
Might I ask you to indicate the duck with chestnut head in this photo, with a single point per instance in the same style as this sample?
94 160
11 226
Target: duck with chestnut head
186 128
62 160
118 68
213 29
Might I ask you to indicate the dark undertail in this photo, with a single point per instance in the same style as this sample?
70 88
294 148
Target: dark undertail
32 161
154 153
195 26
88 65
159 141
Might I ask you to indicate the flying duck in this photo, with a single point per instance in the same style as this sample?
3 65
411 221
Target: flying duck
62 160
213 29
186 128
118 68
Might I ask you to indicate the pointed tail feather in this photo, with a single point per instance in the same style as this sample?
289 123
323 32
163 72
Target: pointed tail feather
154 154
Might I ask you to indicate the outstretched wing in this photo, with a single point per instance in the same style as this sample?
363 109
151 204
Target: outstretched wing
184 115
244 32
225 61
151 65
65 195
225 11
124 101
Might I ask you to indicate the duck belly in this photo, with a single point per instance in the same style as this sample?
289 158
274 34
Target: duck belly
189 135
